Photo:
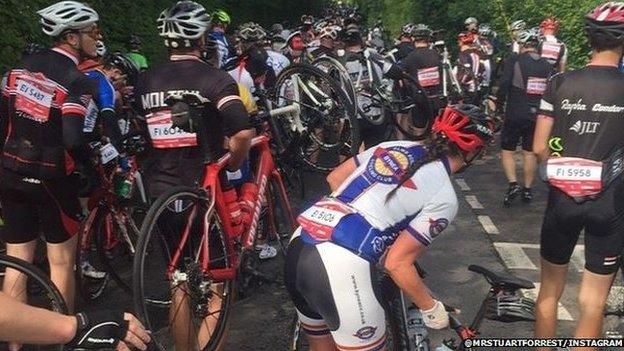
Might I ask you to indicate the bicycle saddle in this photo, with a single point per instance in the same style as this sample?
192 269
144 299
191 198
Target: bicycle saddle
504 280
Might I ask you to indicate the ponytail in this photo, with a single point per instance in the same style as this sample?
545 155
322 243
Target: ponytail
437 146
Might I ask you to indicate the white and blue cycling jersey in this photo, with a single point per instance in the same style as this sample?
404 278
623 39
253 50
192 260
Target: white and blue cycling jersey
104 99
361 217
223 47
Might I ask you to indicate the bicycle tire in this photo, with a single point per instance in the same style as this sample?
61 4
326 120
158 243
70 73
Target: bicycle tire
141 300
351 146
344 76
45 285
283 224
419 97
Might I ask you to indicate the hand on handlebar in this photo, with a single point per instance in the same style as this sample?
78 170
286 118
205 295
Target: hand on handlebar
437 317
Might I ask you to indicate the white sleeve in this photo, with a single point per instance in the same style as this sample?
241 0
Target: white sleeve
435 216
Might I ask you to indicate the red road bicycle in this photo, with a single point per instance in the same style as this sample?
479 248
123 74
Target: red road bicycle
191 255
116 208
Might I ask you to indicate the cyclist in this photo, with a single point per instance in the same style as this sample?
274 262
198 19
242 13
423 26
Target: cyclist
406 43
276 59
295 48
551 48
514 28
488 49
580 117
387 205
179 156
355 63
111 77
135 53
220 22
20 323
469 69
425 65
472 25
45 145
327 37
253 67
520 90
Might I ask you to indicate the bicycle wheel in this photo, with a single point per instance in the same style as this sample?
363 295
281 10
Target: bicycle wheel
41 292
337 71
183 306
278 221
92 276
325 131
411 99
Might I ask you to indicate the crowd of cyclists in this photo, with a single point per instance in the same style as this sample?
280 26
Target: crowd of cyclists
387 203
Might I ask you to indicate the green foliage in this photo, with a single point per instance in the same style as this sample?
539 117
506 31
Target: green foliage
450 15
121 18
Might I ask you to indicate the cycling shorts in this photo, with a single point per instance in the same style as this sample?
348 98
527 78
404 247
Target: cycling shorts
333 293
602 221
31 207
517 131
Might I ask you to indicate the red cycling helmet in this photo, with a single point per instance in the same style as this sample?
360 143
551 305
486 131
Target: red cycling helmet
466 38
465 125
550 23
606 19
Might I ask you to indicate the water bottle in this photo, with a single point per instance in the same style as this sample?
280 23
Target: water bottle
416 330
123 185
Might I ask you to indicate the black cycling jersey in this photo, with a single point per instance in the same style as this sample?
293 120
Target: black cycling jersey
588 110
178 157
522 85
403 50
469 69
425 64
43 107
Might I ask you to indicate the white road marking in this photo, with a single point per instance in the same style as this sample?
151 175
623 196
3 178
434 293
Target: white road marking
473 202
514 256
488 225
562 312
463 186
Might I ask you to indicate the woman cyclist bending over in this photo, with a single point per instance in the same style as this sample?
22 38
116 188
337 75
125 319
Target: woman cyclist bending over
388 204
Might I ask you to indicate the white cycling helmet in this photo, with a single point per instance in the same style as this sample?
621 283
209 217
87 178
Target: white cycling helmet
329 31
517 25
528 36
184 20
66 15
470 20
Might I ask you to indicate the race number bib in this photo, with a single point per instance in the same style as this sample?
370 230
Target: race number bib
33 98
550 51
91 117
321 219
164 135
108 153
536 86
577 177
428 77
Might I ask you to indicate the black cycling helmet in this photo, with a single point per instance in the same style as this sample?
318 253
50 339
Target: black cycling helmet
421 32
352 34
606 20
510 307
124 64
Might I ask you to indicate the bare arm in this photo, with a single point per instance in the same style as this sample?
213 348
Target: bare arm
400 265
239 145
543 128
26 324
340 173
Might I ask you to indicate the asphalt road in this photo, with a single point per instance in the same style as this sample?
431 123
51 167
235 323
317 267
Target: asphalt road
484 233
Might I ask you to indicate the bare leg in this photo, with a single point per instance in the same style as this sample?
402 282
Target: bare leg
62 258
209 323
509 165
321 343
553 279
14 282
530 165
592 297
181 320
